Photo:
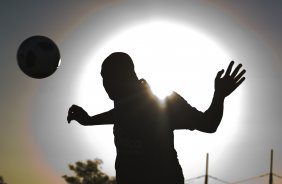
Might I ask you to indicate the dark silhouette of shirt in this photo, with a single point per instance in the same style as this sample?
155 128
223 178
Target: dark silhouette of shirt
144 139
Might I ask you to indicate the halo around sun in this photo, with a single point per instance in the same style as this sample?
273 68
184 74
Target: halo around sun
171 56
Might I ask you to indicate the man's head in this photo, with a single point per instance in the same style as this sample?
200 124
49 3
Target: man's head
119 77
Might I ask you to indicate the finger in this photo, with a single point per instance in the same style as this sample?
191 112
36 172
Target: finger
234 73
69 118
239 82
228 71
71 111
219 74
238 77
74 108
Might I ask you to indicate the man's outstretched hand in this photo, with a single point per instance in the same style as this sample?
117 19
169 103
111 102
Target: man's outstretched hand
78 114
225 85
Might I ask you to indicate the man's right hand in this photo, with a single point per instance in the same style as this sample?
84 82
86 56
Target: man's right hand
78 114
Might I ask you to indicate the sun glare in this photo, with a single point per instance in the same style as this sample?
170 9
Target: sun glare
170 56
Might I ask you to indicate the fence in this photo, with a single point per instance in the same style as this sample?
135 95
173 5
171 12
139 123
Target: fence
269 178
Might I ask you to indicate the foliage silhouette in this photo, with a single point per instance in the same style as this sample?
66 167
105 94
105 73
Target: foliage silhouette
2 180
88 172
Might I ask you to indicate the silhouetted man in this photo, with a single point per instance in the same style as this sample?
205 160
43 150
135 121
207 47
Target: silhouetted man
143 128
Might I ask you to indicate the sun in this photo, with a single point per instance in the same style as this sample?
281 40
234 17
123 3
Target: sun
170 56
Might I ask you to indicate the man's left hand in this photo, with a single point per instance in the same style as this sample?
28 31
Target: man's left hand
225 85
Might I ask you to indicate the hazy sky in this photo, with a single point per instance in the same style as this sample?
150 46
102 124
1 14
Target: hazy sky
37 144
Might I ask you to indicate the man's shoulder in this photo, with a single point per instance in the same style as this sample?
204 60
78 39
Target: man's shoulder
175 99
181 114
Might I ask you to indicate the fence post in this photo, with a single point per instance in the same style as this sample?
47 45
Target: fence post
271 167
207 169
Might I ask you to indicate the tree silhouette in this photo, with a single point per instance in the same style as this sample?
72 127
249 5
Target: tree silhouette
88 172
2 180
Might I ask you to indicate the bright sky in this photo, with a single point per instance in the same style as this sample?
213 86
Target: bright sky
33 128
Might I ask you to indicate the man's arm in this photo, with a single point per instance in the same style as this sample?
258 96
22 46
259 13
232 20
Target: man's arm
223 87
81 116
211 118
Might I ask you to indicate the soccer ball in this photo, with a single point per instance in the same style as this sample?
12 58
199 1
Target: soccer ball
38 57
